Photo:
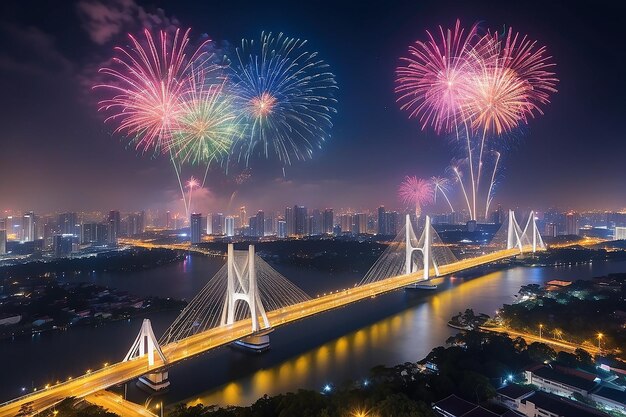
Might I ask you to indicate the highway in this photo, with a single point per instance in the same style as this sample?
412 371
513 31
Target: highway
116 404
194 345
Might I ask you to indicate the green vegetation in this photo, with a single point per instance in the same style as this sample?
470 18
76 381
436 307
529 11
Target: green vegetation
582 312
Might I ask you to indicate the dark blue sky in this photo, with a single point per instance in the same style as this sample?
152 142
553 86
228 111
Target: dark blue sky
57 154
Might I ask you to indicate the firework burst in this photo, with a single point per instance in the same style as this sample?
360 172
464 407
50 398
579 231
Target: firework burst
147 80
416 191
286 97
432 80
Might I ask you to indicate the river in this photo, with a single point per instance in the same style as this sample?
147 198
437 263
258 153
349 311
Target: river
329 348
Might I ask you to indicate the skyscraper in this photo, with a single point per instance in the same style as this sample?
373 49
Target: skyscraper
62 245
3 241
243 219
289 221
282 229
196 227
359 223
68 223
114 226
317 222
571 223
28 227
217 223
300 223
260 224
382 229
230 226
329 220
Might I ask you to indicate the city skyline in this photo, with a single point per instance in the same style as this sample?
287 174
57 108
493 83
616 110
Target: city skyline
75 163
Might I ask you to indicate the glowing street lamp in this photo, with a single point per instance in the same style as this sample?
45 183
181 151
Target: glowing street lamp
540 328
600 335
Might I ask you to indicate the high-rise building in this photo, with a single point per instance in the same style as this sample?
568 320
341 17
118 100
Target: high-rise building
282 229
168 220
620 233
392 221
317 222
243 219
68 223
382 229
345 222
329 220
136 223
571 223
359 223
217 223
290 221
62 245
114 221
89 233
28 227
300 223
3 241
230 226
196 227
260 224
551 230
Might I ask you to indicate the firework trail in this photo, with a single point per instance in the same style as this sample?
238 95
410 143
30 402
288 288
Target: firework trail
191 184
480 87
416 191
240 179
442 185
286 98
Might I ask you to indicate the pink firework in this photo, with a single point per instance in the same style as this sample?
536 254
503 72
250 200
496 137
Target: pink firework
432 81
416 191
147 80
510 82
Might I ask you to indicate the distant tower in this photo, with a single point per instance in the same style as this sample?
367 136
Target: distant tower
114 226
329 220
196 227
28 227
289 221
243 219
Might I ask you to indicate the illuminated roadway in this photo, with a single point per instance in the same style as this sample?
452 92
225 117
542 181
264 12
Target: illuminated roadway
213 338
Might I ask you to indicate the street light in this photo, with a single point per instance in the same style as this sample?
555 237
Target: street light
540 328
599 339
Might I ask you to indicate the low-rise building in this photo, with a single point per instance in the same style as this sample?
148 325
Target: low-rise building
453 406
561 381
543 404
610 398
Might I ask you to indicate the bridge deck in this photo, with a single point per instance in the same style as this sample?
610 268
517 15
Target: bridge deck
220 336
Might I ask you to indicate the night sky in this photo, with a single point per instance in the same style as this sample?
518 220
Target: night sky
58 155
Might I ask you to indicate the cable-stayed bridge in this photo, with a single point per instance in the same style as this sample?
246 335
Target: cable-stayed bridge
247 298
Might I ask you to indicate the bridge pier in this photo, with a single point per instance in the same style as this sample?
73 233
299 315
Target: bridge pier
155 381
257 343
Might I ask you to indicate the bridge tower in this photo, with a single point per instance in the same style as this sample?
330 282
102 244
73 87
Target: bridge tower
425 249
535 240
242 285
146 344
514 237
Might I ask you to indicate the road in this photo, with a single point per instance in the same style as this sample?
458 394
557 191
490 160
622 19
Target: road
213 338
530 338
116 404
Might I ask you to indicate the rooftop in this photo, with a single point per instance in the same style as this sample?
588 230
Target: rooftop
562 406
515 391
575 381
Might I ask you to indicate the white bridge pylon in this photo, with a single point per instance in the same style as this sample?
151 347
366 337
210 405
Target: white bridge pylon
145 344
518 238
242 285
425 249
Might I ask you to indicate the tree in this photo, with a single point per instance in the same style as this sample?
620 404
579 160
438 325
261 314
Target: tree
540 352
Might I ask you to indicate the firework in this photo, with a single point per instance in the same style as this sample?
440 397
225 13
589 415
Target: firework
476 87
147 80
416 191
442 185
286 97
205 125
191 184
432 81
